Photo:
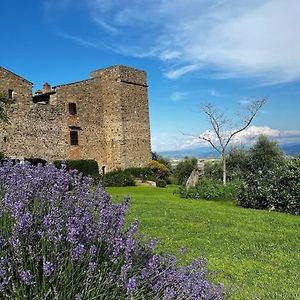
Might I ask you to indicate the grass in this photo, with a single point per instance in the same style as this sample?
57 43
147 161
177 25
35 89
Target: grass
256 252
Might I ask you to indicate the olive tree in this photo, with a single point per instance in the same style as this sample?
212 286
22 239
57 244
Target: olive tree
222 131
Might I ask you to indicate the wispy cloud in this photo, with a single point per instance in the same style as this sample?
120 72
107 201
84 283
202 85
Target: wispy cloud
179 72
223 39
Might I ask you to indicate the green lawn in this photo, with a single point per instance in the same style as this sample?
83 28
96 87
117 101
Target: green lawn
257 252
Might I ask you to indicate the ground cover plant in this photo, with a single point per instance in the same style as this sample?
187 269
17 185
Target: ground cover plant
63 238
211 189
254 251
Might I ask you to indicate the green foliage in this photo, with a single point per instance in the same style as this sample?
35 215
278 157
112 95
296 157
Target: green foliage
118 178
85 166
159 170
237 163
154 155
143 174
161 183
210 189
165 161
36 161
184 169
213 169
286 193
277 189
272 181
4 102
2 156
265 155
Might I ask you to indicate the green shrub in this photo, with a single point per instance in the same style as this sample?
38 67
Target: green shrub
141 173
184 169
277 189
286 194
165 161
36 161
159 170
210 189
161 183
213 169
85 166
118 178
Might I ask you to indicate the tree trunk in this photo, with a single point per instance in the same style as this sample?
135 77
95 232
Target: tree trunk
223 156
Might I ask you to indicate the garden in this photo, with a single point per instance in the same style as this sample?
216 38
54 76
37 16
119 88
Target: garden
65 235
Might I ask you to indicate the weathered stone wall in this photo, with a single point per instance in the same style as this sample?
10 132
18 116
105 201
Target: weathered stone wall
112 119
34 130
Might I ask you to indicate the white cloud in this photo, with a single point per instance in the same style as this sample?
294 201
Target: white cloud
178 72
178 96
248 136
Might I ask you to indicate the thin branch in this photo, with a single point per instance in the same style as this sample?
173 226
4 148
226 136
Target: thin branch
211 143
253 109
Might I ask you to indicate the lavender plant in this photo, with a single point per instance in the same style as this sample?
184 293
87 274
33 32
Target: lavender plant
62 238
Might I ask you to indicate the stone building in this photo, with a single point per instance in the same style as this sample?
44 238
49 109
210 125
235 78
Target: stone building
104 118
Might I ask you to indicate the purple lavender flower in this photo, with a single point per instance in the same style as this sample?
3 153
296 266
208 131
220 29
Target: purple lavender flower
91 268
58 215
26 277
93 250
48 268
131 285
77 252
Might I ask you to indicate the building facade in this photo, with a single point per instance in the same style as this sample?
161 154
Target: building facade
105 118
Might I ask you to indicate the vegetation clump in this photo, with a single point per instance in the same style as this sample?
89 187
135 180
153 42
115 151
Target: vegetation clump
62 239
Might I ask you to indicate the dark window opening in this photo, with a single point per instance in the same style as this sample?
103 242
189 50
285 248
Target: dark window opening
103 170
74 137
5 139
72 109
10 94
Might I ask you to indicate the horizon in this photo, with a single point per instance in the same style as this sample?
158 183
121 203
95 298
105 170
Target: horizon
194 52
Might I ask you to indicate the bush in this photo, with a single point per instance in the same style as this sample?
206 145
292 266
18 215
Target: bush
118 178
210 189
277 189
62 239
159 170
213 169
141 173
85 166
184 169
36 161
161 183
286 193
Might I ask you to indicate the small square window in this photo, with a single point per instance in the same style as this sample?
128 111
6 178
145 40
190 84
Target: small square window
10 94
74 137
72 109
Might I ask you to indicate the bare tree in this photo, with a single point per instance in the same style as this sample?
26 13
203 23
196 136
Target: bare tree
222 133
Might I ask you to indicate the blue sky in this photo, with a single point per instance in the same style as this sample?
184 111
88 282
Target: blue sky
225 52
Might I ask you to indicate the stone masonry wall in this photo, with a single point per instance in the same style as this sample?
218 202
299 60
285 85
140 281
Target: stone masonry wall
112 119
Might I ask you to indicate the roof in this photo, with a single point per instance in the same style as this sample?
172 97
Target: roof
16 75
63 84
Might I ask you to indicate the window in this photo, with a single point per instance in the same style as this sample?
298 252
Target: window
10 94
72 109
74 137
5 139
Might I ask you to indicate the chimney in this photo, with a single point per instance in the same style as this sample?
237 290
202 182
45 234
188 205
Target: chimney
46 88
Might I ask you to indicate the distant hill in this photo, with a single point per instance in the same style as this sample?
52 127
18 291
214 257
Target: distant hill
208 152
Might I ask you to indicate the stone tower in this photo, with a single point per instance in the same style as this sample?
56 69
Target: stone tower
105 118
